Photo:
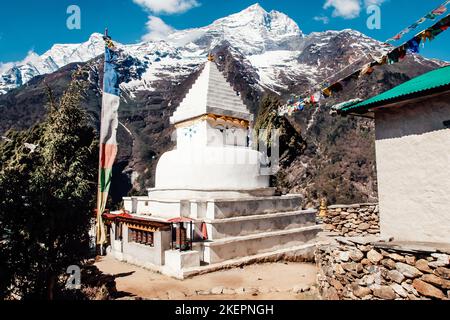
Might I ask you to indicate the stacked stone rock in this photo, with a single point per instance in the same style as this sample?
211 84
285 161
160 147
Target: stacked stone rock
352 220
353 269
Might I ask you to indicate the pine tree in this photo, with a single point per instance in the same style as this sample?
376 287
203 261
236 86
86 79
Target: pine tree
47 187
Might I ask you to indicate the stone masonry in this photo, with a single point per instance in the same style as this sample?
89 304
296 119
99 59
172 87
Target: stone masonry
352 220
359 269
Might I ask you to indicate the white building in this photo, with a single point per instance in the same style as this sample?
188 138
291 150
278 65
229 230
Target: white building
412 123
210 191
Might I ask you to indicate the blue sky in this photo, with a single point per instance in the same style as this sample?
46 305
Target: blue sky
35 25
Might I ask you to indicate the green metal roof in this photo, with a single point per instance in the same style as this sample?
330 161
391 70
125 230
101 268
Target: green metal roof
428 83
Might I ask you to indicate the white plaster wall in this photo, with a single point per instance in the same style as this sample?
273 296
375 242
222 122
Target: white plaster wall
192 135
413 164
218 251
211 168
141 254
178 260
223 209
143 205
204 133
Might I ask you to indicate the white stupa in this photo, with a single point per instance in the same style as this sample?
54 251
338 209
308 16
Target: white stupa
212 131
213 178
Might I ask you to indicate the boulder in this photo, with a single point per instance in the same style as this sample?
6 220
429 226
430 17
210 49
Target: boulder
395 276
409 288
298 289
427 289
330 294
367 280
442 272
356 255
441 257
374 256
388 263
399 290
442 260
407 270
422 265
432 279
364 248
336 284
344 256
411 260
228 291
337 268
397 257
384 292
364 226
361 292
217 290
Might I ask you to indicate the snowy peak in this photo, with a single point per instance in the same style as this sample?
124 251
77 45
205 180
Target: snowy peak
270 44
254 8
256 15
251 31
63 54
58 56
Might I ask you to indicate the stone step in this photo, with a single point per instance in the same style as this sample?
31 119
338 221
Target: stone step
230 208
238 247
247 225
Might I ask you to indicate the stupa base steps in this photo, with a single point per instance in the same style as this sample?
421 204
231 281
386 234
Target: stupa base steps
243 246
242 227
247 225
208 205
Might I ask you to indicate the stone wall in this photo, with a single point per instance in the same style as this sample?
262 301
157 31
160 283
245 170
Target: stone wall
355 268
352 220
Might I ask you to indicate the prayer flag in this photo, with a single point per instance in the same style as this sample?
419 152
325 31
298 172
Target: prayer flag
108 129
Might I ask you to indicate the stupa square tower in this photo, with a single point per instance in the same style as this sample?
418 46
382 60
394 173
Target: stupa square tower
210 193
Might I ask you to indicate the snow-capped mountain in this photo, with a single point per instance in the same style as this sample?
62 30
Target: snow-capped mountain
270 43
252 31
58 56
258 51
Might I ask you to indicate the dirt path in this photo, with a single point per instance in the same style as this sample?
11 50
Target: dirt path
269 281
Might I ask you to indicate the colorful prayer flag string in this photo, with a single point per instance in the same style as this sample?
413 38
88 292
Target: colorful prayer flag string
429 16
393 56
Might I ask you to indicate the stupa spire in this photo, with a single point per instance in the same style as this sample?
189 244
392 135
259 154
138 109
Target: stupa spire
211 94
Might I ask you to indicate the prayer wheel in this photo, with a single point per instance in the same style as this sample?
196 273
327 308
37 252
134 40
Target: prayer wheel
181 238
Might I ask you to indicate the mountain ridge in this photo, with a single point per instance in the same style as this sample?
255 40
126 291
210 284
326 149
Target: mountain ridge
337 159
269 32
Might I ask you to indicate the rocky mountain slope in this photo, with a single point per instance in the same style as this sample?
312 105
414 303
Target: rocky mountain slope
261 53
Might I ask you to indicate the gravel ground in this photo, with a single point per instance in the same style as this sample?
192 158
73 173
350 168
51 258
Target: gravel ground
270 281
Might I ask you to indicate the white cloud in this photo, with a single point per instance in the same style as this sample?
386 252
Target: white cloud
323 19
167 6
368 3
5 66
349 9
157 29
31 57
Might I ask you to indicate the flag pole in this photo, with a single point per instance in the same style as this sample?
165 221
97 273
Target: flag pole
109 122
99 224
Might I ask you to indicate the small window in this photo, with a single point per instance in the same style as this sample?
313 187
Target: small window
118 231
146 203
140 236
447 124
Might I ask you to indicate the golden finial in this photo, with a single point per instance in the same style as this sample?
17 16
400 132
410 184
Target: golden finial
323 208
211 57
